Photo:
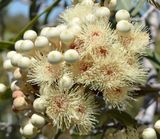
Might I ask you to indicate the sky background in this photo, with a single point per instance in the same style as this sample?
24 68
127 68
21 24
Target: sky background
17 7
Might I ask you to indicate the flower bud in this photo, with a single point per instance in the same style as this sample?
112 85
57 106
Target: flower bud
123 26
17 74
90 18
65 82
27 45
71 56
41 42
10 54
75 21
112 4
55 57
14 86
17 45
157 126
44 31
7 65
53 33
75 29
39 105
3 88
30 35
149 133
29 130
37 120
20 103
122 15
17 93
24 62
87 2
67 37
61 27
102 12
15 59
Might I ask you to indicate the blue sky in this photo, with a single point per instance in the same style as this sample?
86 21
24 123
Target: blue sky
17 7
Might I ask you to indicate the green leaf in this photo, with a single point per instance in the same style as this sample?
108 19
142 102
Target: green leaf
6 45
31 23
4 3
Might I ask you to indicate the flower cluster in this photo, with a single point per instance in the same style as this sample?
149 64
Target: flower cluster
57 73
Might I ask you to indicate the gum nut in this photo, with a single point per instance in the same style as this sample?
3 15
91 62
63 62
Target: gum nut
39 105
27 45
55 57
37 120
24 62
20 103
75 21
87 2
53 33
71 56
30 35
157 126
66 82
67 37
17 74
90 18
123 26
29 130
17 45
122 15
7 65
15 59
3 88
61 27
44 31
41 42
17 93
102 12
149 133
112 4
75 29
14 86
10 54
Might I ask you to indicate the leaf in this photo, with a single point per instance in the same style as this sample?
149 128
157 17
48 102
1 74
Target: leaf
6 45
31 23
4 3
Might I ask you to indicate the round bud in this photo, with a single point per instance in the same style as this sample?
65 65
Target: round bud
39 105
17 74
41 42
149 133
61 27
17 45
71 56
123 26
24 62
44 31
102 12
3 88
53 33
17 93
122 15
10 54
67 37
157 126
87 2
29 130
7 65
27 45
30 35
112 4
90 18
75 29
75 21
37 120
65 82
14 87
20 103
15 59
55 57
